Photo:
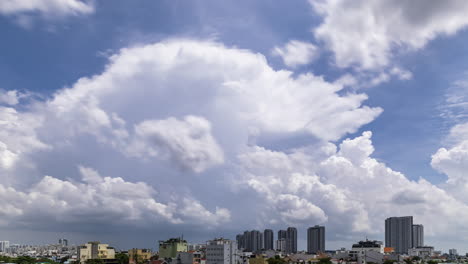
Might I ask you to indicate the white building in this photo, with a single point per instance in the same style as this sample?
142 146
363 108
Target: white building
281 245
95 250
422 252
222 251
362 246
4 245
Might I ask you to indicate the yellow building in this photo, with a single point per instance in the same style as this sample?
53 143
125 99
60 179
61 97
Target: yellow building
137 255
169 248
95 250
258 260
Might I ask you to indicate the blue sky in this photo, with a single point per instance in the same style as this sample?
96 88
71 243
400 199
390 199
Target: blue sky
178 132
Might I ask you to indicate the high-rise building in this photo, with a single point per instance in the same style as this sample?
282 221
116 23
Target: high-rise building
251 241
399 233
221 251
4 245
418 236
256 238
282 234
281 245
95 250
291 240
63 242
268 239
316 239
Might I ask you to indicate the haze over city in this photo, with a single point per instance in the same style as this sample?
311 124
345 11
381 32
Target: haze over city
133 122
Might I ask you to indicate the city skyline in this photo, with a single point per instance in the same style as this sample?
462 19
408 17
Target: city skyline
131 121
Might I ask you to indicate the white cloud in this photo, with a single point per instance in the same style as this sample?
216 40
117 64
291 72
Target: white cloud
366 33
99 200
9 97
296 53
348 190
46 7
18 135
453 161
188 142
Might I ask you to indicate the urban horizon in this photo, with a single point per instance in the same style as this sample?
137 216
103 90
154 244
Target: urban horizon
325 121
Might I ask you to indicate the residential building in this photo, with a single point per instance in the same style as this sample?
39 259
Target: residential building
422 252
222 251
418 236
281 245
316 239
399 233
268 239
137 255
4 245
192 257
96 250
251 241
282 234
170 247
368 245
291 240
63 242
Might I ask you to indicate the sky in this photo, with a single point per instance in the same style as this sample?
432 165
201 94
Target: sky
130 122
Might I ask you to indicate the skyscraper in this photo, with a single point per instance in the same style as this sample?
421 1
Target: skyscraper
282 234
418 235
251 241
268 239
399 233
291 240
316 239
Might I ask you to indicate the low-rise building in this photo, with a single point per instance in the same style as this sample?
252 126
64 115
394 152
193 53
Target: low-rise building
222 251
138 256
422 252
96 250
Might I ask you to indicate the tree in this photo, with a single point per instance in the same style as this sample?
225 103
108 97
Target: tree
389 261
431 262
94 261
122 258
325 261
276 260
25 260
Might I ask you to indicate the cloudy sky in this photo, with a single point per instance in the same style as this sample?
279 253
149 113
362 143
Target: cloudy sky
134 121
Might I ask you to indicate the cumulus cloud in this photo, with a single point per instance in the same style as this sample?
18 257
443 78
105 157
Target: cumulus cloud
201 106
98 200
366 33
46 7
18 135
188 142
296 53
453 161
188 104
9 97
345 189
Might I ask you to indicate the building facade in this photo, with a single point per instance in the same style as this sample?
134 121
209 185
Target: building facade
169 248
399 233
138 255
4 245
268 239
316 239
251 241
291 240
95 250
222 251
281 245
418 236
